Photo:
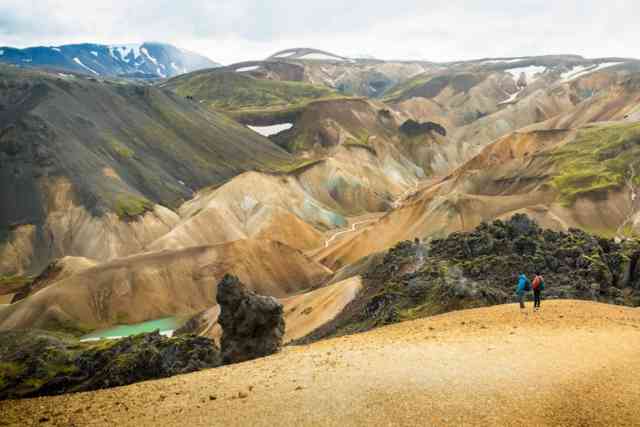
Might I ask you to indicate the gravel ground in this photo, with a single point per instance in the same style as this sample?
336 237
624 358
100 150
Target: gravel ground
573 363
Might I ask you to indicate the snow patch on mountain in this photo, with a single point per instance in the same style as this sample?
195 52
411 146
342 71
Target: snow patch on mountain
286 55
178 69
501 61
243 69
531 72
147 60
271 130
574 72
582 70
248 203
77 61
511 98
124 51
321 56
361 56
145 52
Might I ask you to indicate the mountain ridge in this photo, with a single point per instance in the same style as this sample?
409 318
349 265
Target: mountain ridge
147 60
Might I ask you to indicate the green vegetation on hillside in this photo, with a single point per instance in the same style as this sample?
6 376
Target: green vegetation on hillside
234 92
14 280
398 90
120 149
430 85
151 140
600 158
129 207
299 166
38 363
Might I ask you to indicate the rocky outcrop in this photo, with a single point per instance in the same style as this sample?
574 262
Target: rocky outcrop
480 268
522 81
252 325
576 264
38 363
413 128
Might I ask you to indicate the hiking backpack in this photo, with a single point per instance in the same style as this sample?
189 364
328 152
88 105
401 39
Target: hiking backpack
537 281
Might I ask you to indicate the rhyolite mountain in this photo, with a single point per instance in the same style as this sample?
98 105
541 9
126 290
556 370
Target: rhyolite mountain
349 76
147 60
147 194
82 155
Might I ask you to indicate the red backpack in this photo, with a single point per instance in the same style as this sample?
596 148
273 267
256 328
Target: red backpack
536 283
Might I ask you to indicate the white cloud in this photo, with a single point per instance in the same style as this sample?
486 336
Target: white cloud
252 29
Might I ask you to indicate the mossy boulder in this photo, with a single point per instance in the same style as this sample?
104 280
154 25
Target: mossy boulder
252 325
413 128
38 363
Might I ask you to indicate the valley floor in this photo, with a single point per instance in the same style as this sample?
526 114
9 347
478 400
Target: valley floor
573 363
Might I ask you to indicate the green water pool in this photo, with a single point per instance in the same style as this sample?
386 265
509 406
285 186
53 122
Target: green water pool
166 326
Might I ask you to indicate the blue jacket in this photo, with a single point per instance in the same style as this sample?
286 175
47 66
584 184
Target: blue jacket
522 282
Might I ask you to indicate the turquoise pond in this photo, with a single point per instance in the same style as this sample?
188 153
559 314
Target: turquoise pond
166 326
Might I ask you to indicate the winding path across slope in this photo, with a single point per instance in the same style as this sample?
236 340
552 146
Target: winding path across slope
399 202
353 228
574 363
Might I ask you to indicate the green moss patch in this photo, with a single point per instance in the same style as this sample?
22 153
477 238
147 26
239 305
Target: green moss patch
599 159
129 207
120 149
297 167
367 147
14 280
39 363
397 91
362 138
9 370
12 284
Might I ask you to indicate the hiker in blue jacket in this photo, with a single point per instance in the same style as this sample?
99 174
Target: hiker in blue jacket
524 285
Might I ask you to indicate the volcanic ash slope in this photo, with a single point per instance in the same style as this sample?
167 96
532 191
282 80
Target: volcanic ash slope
576 360
161 284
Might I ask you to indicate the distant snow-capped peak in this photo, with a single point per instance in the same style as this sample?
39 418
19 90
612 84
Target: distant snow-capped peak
125 52
136 60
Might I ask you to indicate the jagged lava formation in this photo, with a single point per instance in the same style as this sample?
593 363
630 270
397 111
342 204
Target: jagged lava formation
479 268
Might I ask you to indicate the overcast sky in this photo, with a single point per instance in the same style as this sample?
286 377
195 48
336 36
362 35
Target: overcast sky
235 30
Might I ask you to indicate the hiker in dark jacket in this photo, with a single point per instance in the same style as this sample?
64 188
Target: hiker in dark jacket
538 286
523 286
